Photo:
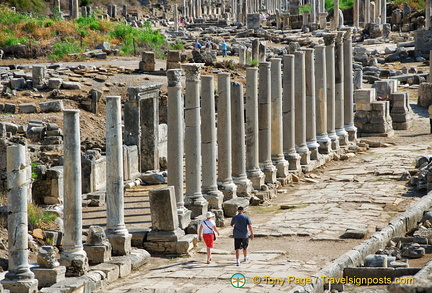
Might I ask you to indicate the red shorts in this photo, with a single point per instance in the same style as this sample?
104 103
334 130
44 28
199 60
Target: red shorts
209 240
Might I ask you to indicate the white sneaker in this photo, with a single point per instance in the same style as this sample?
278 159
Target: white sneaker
246 259
238 262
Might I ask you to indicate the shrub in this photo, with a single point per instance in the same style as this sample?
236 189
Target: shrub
38 218
62 49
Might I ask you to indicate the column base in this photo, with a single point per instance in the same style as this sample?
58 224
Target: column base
76 263
314 154
98 253
293 161
281 167
121 244
343 137
324 144
305 158
257 178
334 142
229 190
165 236
198 208
184 217
269 172
352 132
27 286
244 186
214 198
48 277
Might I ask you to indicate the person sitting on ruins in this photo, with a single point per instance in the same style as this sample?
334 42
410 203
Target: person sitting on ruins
207 231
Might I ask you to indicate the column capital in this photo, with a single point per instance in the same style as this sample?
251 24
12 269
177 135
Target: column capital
173 76
192 70
348 34
329 39
339 37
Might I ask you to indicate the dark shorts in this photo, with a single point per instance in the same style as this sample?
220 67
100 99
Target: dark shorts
241 243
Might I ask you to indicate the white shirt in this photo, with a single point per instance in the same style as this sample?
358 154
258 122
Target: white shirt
207 230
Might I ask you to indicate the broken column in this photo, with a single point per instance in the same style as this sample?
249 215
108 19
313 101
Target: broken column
175 18
73 256
225 182
147 62
208 142
74 8
264 108
244 185
255 49
348 88
19 278
48 272
38 75
339 91
330 75
288 114
176 143
300 108
311 141
116 231
383 11
253 170
322 19
336 14
321 100
277 154
194 200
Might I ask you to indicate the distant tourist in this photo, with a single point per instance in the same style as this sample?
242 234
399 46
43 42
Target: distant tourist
241 223
207 231
198 45
224 49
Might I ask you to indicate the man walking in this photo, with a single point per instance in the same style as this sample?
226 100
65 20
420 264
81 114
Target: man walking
241 223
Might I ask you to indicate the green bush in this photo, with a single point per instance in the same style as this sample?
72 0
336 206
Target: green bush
306 8
12 41
178 45
31 6
38 218
62 49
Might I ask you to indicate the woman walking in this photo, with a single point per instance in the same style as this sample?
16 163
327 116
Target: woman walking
207 231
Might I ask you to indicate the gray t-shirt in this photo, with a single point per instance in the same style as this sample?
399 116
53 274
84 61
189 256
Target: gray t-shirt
240 223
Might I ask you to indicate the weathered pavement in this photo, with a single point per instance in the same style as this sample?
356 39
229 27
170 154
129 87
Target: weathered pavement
293 242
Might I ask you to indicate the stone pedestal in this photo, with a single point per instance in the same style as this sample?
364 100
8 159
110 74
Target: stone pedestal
73 256
288 114
19 278
300 108
400 112
208 142
194 199
244 185
176 143
117 233
264 108
277 154
225 182
98 248
348 88
147 62
173 59
253 170
322 20
48 276
38 76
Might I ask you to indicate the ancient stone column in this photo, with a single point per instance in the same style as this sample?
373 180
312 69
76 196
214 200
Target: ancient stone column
74 8
73 256
378 11
310 104
300 107
336 14
242 55
194 200
330 75
38 75
255 49
264 110
322 19
373 12
288 114
175 143
244 185
313 11
175 18
383 12
225 182
348 88
253 170
116 231
339 90
277 153
19 278
208 143
356 14
367 13
321 100
428 15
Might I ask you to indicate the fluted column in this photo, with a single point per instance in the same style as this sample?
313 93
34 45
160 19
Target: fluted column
339 91
321 100
244 185
311 140
253 170
277 154
175 142
73 256
208 137
348 88
194 199
19 278
225 182
116 231
264 108
288 114
300 108
330 75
